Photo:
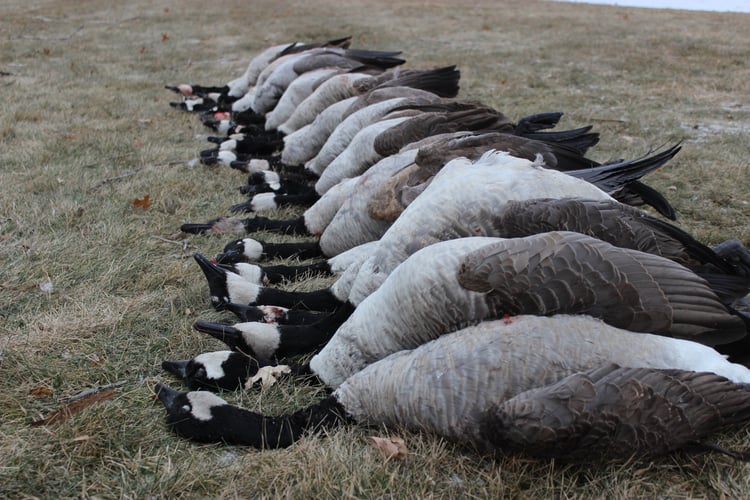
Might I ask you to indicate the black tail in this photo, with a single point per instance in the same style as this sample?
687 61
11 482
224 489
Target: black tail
375 58
540 121
637 193
441 81
612 177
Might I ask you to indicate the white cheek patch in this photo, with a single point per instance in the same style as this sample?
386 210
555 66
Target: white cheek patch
212 362
226 157
264 201
258 165
264 338
250 272
191 103
240 290
202 402
252 249
229 145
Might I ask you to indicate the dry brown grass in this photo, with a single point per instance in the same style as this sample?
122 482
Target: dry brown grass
83 102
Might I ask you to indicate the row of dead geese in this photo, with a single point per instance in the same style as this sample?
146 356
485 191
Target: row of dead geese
489 280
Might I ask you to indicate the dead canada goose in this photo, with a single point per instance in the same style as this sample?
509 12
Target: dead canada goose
432 157
548 273
490 182
489 364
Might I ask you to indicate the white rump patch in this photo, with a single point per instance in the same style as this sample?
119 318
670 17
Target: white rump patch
201 403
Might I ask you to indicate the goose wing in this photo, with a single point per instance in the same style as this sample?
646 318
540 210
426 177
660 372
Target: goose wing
621 225
561 272
617 411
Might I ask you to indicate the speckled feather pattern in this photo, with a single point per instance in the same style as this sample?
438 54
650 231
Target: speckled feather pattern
299 89
358 156
303 144
352 224
333 90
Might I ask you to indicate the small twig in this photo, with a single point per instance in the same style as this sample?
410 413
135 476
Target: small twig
608 120
52 38
182 243
169 163
88 392
109 158
134 171
123 175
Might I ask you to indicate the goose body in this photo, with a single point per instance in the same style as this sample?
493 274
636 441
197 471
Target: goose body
304 143
240 86
482 278
494 361
335 89
299 89
357 157
440 81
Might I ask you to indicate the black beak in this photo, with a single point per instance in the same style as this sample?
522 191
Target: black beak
241 208
177 368
230 257
233 252
217 280
239 165
228 334
198 228
166 395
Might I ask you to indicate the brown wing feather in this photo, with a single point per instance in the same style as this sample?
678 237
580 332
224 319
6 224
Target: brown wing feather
616 411
613 222
563 272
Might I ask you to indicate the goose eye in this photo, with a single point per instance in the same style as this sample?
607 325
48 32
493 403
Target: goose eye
185 409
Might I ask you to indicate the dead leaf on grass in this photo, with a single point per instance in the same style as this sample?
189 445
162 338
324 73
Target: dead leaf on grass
390 447
73 408
41 391
144 202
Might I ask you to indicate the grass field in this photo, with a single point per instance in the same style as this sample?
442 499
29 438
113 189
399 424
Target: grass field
96 291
